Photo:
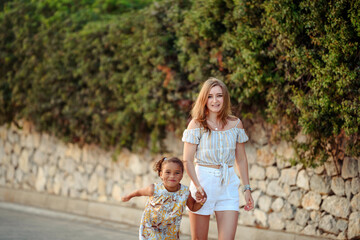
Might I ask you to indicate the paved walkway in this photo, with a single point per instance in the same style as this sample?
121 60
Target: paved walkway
83 216
29 223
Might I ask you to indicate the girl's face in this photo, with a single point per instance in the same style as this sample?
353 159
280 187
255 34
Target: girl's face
215 99
171 175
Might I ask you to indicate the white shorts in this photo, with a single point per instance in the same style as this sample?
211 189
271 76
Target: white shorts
219 197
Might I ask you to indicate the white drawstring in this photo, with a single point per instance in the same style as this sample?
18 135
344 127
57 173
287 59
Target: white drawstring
224 173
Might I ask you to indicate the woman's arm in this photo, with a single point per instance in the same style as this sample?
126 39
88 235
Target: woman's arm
242 165
146 191
188 159
188 156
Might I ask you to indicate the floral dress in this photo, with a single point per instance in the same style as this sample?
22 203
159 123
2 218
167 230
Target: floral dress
163 212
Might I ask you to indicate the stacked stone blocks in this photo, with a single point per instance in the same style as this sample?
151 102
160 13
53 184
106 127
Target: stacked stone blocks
320 202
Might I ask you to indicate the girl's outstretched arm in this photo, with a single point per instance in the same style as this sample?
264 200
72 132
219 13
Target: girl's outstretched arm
193 205
146 191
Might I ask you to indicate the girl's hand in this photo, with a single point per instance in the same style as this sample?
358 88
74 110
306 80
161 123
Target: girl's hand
200 195
125 198
249 201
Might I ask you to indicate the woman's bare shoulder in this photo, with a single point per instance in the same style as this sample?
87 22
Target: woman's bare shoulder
240 125
194 124
235 122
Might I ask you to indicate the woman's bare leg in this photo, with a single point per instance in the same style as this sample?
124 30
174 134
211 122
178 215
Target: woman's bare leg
199 226
226 223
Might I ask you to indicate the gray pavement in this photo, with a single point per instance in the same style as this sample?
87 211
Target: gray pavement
68 218
23 222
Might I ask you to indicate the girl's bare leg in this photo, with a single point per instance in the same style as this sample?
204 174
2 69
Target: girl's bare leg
226 223
199 226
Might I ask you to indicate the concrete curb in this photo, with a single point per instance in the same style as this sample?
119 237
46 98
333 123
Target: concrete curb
121 214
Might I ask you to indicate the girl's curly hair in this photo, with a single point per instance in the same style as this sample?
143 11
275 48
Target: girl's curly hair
158 165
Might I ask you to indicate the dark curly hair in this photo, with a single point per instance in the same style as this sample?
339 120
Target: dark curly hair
158 165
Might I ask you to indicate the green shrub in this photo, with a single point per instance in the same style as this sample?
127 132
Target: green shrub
122 73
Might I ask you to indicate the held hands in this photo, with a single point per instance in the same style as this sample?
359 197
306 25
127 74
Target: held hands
249 201
200 195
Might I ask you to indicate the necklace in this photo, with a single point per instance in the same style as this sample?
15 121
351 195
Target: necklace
215 125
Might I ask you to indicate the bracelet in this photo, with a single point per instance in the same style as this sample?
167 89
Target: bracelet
247 187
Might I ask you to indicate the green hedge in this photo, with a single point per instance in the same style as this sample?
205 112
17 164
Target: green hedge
120 74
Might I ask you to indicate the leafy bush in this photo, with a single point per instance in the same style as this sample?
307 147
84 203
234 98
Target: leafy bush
121 73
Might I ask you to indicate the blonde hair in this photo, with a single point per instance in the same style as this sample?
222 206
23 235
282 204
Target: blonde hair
200 110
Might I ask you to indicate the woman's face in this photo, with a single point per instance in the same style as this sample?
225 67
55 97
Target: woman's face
215 100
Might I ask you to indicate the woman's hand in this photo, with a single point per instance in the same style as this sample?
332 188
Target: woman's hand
200 195
249 201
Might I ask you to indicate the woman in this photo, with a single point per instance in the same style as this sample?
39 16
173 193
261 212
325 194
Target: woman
215 140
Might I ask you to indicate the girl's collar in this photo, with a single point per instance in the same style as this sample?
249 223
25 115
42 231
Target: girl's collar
178 189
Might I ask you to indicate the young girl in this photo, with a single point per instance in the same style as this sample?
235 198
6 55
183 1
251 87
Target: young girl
167 199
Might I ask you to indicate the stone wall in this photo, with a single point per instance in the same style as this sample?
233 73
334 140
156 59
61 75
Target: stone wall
321 202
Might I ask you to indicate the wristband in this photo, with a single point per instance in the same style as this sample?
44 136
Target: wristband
247 187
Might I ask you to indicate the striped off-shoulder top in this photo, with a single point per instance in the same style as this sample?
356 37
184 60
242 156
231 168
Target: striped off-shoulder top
217 147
